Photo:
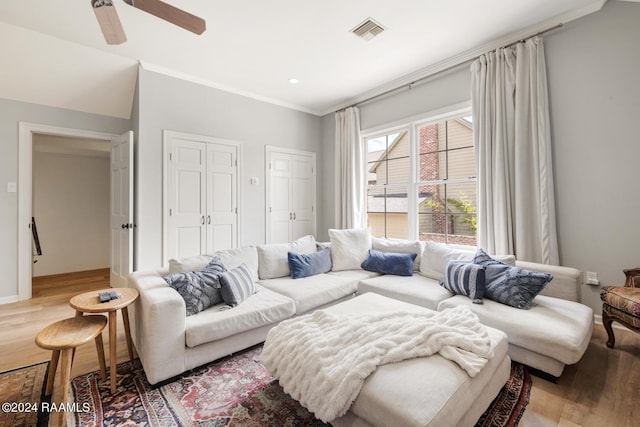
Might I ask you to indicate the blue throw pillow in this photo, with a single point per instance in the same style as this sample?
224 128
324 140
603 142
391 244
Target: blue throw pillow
510 285
389 263
309 264
237 285
199 289
465 279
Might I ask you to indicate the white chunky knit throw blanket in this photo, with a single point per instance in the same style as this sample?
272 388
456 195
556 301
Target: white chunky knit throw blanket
322 359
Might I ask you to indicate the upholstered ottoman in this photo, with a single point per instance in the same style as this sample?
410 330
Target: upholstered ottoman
426 391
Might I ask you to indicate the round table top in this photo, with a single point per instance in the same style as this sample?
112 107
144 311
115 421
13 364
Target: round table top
70 333
89 302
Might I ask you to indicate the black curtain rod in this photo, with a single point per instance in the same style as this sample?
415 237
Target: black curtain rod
444 70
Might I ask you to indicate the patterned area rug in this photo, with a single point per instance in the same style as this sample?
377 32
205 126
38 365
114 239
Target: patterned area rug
21 395
507 408
235 391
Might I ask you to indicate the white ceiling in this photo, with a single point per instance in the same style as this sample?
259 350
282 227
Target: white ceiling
53 52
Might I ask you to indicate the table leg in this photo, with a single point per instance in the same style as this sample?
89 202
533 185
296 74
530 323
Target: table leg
100 349
113 328
127 331
55 355
65 364
79 313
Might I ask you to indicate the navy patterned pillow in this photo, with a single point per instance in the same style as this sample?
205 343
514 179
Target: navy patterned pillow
399 264
465 279
199 289
237 285
510 285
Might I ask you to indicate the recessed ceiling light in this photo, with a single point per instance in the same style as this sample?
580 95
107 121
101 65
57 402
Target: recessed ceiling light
294 81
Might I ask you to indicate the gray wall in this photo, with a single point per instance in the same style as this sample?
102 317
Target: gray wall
71 206
11 113
326 199
167 103
446 89
593 70
594 87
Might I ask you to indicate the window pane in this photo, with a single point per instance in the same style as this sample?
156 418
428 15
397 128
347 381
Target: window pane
459 134
447 213
387 212
388 159
461 163
446 150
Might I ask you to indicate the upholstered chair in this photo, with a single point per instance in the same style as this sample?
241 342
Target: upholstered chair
622 304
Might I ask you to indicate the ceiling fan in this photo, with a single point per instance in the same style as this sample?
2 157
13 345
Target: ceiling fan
112 28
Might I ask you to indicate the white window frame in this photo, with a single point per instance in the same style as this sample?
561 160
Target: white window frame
412 125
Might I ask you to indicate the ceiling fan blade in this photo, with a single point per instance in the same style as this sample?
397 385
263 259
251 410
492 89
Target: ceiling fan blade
109 21
171 14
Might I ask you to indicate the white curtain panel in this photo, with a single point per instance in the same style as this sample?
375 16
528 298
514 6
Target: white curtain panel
350 184
516 203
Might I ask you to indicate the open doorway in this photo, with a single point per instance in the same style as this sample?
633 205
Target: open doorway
70 179
119 206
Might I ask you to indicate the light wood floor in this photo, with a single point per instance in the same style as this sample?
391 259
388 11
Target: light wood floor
600 390
20 322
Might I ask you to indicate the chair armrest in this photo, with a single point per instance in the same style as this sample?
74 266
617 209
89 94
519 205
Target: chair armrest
566 280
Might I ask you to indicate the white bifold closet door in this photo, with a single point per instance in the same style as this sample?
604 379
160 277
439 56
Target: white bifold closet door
202 195
291 194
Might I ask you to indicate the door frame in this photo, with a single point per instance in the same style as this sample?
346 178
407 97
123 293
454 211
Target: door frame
167 139
268 150
25 192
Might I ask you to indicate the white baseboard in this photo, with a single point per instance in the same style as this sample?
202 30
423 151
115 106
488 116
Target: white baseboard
9 300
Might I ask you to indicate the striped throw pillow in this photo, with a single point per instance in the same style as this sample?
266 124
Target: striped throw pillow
465 279
236 285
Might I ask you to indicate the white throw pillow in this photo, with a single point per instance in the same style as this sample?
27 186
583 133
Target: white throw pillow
401 247
435 255
247 255
194 263
273 260
349 248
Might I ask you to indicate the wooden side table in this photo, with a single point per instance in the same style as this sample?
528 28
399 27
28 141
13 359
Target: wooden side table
63 337
89 302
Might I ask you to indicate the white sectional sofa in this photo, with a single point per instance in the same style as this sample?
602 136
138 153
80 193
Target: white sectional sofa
553 333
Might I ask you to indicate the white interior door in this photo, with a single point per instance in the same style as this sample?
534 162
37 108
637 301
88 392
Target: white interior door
303 196
291 195
222 203
121 209
280 211
187 198
201 194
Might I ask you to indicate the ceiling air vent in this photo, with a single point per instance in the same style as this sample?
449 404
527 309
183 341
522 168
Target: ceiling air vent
368 29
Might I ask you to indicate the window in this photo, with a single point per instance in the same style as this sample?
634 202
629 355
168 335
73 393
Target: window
422 182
